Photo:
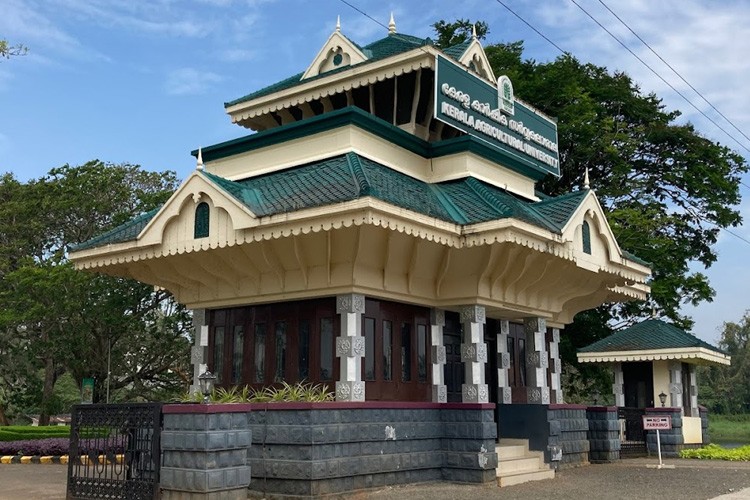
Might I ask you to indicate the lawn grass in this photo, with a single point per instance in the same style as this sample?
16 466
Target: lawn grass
729 428
25 432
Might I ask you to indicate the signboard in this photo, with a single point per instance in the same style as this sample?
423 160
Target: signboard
492 114
87 390
657 423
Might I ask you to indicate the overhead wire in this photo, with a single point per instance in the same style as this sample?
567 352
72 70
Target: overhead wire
537 31
673 70
659 76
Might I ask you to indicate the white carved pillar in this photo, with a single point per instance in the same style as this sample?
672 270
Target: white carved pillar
555 367
504 391
537 390
350 347
675 384
199 350
693 391
439 390
618 386
474 355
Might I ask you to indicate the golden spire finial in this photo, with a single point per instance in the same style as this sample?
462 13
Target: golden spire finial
391 25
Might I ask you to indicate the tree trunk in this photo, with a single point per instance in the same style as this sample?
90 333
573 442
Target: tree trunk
49 385
3 417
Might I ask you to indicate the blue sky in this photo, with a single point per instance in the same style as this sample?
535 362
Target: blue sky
145 81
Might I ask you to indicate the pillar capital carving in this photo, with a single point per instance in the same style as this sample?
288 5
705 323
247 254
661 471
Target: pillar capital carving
350 303
473 314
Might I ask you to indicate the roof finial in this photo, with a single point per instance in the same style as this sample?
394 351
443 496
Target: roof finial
391 25
338 24
586 179
474 31
199 165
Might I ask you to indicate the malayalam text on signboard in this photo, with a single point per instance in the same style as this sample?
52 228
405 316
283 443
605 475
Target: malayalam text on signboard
490 113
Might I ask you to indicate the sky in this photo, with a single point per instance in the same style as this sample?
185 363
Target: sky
144 81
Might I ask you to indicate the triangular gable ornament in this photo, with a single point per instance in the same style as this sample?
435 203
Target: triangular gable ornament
337 52
476 60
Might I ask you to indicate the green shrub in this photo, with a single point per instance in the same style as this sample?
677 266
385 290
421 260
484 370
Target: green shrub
26 432
716 452
299 392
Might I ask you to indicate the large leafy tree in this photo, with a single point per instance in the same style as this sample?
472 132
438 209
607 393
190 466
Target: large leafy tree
727 389
63 320
666 189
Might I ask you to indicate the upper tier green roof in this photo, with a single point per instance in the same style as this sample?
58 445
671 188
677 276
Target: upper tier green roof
393 44
647 336
350 176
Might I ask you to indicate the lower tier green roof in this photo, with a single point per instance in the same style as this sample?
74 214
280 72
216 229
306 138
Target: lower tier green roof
350 176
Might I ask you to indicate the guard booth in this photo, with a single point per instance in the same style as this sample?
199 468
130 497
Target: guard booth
654 366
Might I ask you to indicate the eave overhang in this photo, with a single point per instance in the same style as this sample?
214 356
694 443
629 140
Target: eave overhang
334 83
695 355
512 267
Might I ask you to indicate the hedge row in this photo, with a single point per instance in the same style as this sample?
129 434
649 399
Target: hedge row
26 432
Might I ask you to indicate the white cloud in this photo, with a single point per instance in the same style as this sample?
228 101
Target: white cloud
37 29
238 55
190 81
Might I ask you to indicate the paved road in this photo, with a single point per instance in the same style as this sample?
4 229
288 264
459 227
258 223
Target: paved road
631 479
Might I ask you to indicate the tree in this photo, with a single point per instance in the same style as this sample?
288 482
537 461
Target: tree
7 50
68 321
726 389
667 191
449 34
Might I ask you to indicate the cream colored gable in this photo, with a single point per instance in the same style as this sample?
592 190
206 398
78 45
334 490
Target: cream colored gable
328 57
475 58
173 226
604 247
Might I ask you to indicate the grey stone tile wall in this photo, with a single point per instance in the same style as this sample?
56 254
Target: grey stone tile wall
569 427
603 434
204 456
320 452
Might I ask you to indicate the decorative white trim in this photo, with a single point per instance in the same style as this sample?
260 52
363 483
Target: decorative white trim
687 354
341 81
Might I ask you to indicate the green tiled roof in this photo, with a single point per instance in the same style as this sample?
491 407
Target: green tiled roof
391 45
456 51
560 208
124 232
648 335
349 176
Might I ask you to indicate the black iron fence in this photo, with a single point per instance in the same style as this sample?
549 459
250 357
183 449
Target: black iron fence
115 451
633 440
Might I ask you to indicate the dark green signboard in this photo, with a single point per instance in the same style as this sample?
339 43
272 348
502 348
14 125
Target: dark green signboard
491 113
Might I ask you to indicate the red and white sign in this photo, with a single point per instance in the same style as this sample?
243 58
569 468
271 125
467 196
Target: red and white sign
657 423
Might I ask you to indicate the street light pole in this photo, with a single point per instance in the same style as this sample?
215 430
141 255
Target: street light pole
109 360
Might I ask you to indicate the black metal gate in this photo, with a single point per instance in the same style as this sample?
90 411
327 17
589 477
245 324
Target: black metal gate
115 451
633 440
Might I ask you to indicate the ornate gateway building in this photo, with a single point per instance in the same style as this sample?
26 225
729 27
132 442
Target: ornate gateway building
381 232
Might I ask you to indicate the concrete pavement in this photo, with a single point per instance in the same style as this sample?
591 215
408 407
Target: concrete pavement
631 479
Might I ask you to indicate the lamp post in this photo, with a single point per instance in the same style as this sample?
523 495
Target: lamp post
662 398
206 381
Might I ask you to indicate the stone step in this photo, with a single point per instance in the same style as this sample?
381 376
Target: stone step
516 464
525 477
511 448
